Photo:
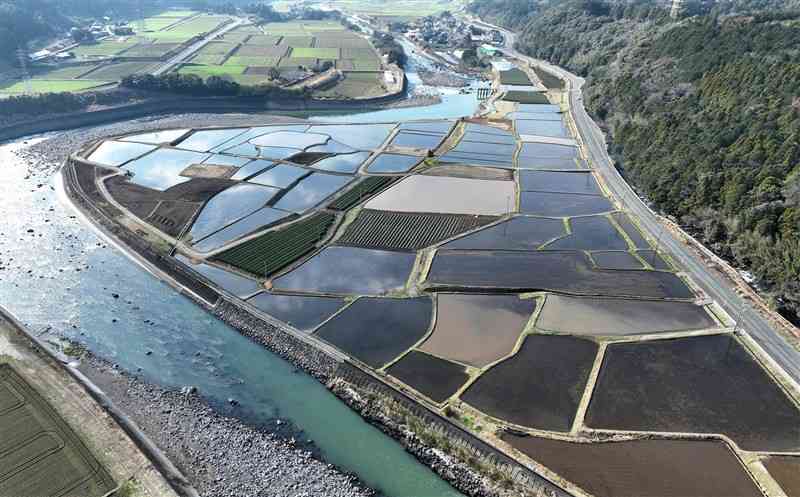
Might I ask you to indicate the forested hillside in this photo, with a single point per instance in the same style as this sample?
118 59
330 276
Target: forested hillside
704 115
22 21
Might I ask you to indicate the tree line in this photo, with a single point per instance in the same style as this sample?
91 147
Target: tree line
704 116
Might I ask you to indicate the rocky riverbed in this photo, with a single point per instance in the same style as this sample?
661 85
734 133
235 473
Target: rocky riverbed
220 456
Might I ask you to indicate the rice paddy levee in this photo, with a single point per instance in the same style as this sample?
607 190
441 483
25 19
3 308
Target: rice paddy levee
472 272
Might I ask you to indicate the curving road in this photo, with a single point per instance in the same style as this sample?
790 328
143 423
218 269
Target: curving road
750 321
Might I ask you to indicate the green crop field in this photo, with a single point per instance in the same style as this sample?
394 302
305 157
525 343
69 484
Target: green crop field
298 41
105 48
252 61
51 86
356 84
151 50
115 72
156 23
30 431
317 53
68 72
205 71
275 250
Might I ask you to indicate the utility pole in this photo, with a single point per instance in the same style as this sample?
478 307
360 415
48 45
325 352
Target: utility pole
22 56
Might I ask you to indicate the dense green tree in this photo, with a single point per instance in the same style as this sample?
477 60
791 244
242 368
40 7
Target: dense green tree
704 115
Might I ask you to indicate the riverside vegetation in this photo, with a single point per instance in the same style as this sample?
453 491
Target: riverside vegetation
703 115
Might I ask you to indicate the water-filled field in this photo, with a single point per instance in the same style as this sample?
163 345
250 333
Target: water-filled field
540 386
694 385
433 377
568 272
477 329
377 330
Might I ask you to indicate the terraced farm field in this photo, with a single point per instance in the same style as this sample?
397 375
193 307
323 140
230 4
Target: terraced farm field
110 59
247 54
496 282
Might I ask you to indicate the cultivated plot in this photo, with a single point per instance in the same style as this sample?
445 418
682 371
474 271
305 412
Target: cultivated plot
616 260
350 271
407 230
41 454
447 195
376 330
477 329
590 233
604 316
707 384
304 312
567 272
563 205
518 233
540 386
230 282
786 471
644 468
433 377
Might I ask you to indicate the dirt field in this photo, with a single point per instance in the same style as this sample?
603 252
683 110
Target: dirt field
600 316
786 471
643 468
477 329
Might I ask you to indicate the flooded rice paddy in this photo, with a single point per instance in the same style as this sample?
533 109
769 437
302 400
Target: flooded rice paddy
644 468
518 233
447 195
616 260
361 292
567 272
562 205
538 387
435 378
604 316
477 329
393 163
377 330
706 384
350 270
590 233
304 312
560 182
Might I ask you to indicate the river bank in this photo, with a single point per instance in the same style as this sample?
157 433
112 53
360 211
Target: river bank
220 455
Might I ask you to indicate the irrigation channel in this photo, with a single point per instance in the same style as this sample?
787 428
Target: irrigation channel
61 279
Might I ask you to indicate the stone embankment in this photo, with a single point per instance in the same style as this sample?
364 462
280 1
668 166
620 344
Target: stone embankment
220 455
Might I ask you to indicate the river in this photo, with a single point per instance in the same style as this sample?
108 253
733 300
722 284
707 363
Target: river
59 277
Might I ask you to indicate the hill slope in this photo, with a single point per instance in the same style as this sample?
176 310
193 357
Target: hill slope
704 115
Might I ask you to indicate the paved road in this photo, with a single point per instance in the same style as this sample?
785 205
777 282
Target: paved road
196 46
715 287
